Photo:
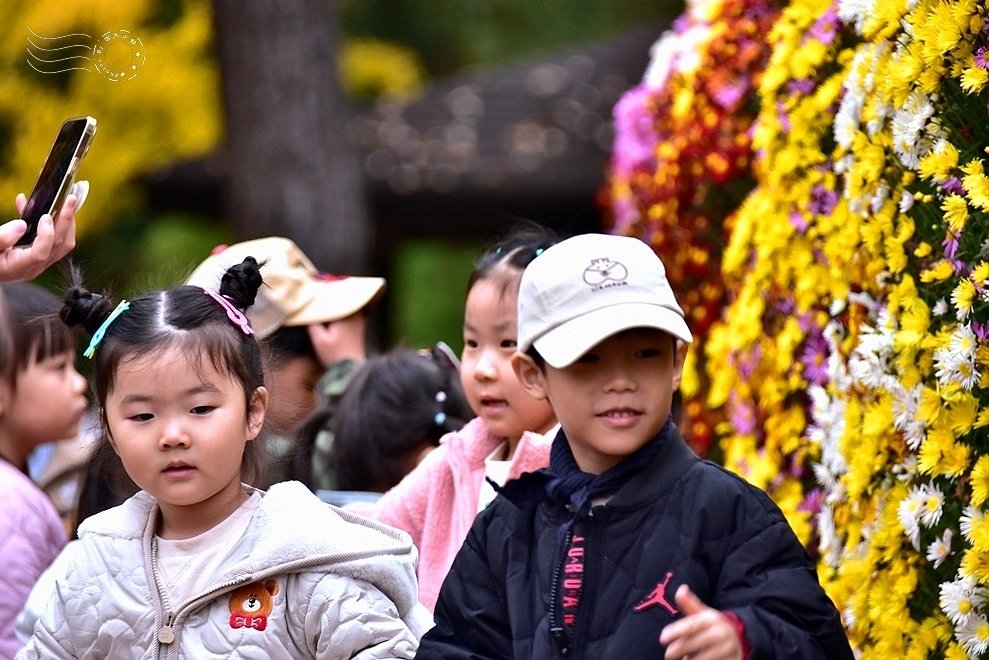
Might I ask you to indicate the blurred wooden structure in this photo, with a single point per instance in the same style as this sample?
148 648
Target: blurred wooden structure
475 150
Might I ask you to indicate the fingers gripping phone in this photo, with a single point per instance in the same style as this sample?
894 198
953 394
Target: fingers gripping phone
58 173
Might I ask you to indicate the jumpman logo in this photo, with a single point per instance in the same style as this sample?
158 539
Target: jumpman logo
658 597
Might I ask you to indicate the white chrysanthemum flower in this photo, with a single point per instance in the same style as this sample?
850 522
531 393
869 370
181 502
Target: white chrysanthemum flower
954 367
830 544
908 513
905 403
933 505
970 517
856 12
907 470
940 307
906 201
959 599
940 549
910 140
879 197
973 634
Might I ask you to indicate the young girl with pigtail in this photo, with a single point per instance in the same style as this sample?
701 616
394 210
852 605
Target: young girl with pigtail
438 500
198 563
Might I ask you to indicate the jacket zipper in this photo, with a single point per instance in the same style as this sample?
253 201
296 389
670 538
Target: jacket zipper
173 619
556 628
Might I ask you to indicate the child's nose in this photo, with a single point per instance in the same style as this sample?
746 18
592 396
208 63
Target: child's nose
173 435
486 368
78 382
618 379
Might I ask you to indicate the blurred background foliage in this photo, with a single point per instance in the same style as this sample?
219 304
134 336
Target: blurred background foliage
171 111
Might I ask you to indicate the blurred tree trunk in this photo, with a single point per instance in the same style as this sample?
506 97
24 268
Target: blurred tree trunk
290 169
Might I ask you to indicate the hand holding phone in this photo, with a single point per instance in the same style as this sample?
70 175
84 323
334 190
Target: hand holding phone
57 175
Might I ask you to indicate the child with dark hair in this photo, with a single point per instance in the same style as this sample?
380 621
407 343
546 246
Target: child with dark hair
314 326
438 500
198 562
42 399
629 545
394 412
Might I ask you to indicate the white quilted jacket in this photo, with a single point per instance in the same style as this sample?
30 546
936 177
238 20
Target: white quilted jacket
319 582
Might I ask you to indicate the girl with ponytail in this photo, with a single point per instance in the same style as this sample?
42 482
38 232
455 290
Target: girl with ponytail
198 562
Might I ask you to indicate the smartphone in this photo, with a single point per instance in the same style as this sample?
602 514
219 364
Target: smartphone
58 173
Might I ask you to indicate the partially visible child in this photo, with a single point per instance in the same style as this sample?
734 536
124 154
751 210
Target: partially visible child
393 413
198 563
42 399
628 546
314 325
437 502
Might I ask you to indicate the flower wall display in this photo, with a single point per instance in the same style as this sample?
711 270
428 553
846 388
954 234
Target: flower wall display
853 358
682 161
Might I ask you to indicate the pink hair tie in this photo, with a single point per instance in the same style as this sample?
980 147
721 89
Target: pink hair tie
234 314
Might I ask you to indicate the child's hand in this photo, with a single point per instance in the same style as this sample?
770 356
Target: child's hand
703 634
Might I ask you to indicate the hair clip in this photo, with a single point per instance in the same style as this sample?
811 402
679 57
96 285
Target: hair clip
440 396
238 317
440 418
539 251
97 337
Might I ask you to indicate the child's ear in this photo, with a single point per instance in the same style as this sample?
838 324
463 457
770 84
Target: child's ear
530 375
5 396
256 411
107 432
679 355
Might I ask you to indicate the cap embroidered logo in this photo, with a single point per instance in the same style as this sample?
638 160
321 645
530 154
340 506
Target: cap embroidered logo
604 270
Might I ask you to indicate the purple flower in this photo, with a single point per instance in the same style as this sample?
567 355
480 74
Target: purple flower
729 95
812 502
798 221
981 330
782 117
742 416
635 133
815 359
803 87
825 28
950 245
953 185
823 200
980 58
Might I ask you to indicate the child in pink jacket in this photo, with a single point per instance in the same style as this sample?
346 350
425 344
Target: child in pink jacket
436 503
42 399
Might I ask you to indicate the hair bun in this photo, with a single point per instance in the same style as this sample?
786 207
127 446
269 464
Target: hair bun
85 308
241 282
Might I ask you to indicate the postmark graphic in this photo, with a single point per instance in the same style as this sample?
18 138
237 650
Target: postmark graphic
118 55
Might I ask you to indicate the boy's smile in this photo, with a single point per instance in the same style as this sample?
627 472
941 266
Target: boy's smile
614 398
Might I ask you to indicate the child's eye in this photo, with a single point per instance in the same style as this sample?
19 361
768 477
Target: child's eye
647 353
470 343
509 343
142 417
202 410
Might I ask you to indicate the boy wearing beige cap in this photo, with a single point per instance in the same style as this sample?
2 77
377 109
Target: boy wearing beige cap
628 545
315 326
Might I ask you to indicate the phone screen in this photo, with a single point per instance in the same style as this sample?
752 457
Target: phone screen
56 175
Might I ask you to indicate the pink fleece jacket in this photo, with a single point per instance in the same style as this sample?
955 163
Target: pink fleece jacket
31 535
436 503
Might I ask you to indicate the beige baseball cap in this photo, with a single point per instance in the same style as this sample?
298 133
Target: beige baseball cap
294 293
582 290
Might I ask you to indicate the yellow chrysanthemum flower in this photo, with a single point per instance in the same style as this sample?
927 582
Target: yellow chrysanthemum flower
976 185
938 272
955 212
979 481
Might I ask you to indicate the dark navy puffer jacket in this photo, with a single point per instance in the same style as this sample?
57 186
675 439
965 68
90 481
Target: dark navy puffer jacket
682 521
